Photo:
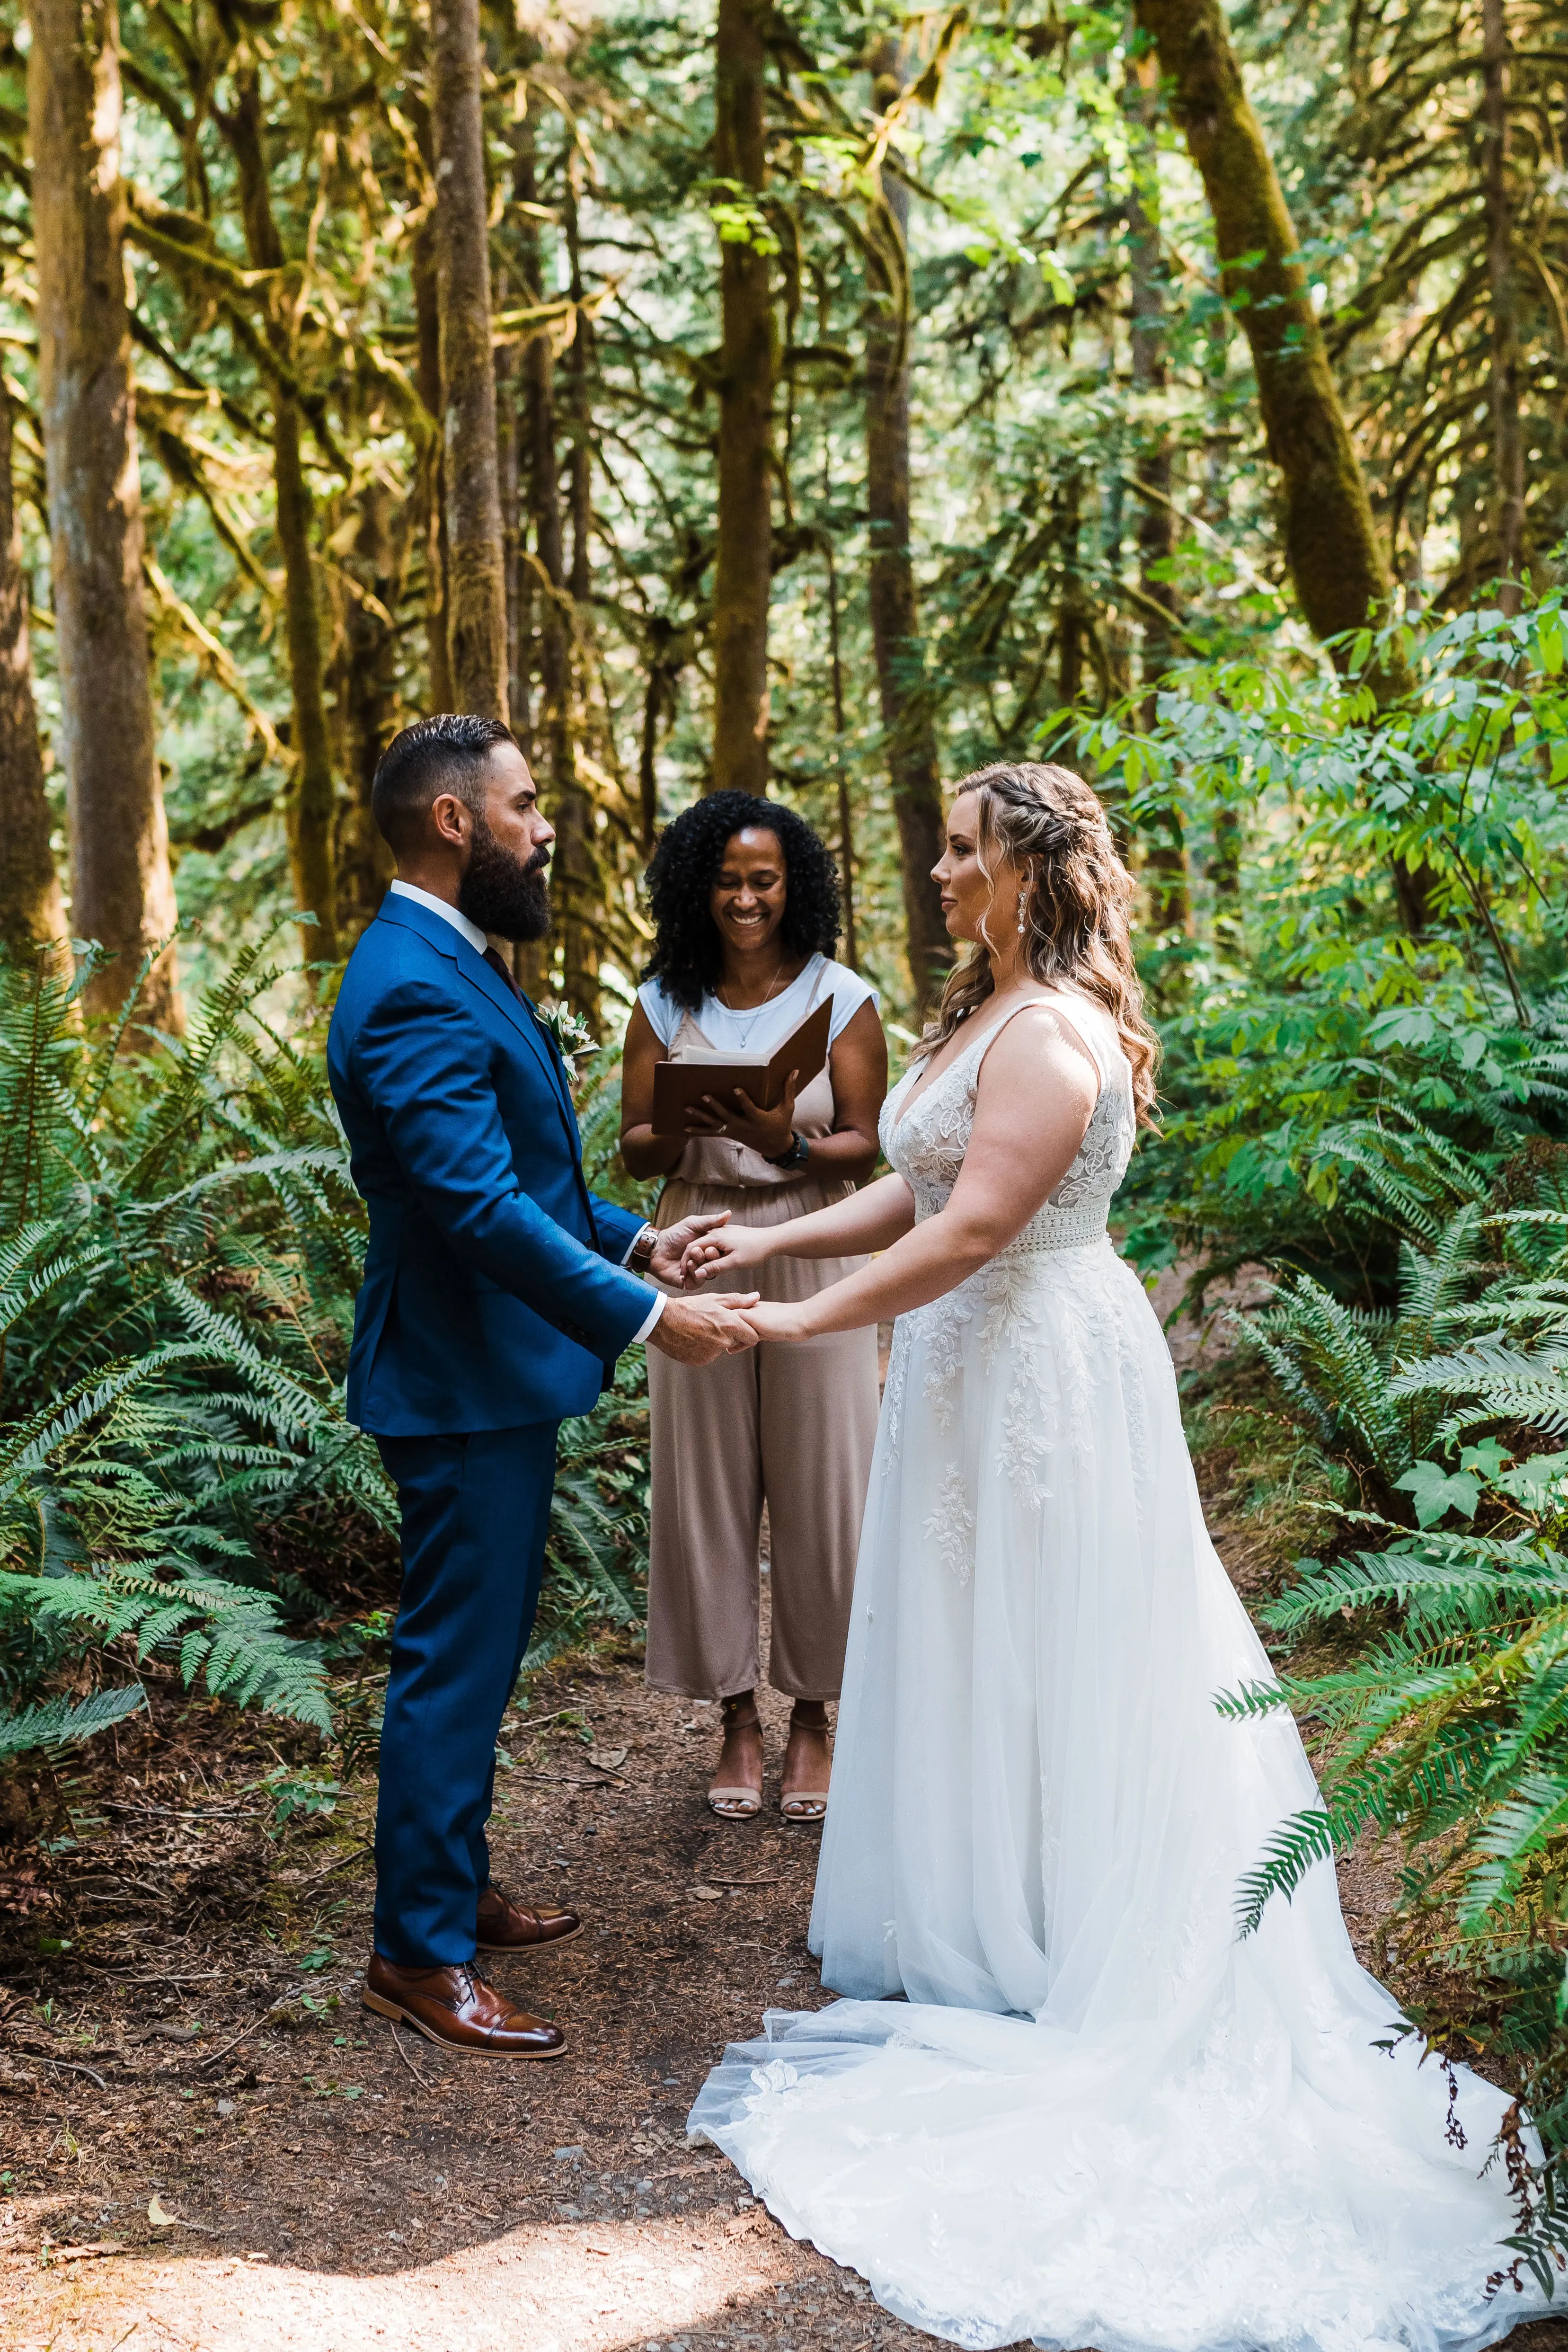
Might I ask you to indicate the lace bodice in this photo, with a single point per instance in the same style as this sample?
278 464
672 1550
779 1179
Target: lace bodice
927 1145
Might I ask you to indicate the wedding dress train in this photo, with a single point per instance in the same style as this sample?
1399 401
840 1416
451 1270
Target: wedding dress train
1097 2117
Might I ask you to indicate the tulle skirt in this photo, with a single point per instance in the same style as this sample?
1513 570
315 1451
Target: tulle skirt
1097 2116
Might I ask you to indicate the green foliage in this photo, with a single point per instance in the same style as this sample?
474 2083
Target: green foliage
177 1274
176 1268
1443 1717
1313 1031
60 1723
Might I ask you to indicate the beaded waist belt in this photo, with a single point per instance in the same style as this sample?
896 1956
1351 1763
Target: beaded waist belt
1058 1229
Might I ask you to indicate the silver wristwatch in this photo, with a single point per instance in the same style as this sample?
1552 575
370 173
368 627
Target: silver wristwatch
639 1256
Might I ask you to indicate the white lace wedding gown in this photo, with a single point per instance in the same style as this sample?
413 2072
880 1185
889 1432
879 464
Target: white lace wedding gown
1100 2119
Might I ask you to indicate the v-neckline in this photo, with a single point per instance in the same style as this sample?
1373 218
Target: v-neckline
934 1079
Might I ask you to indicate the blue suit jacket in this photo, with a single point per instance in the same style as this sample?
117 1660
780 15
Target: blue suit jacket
493 1293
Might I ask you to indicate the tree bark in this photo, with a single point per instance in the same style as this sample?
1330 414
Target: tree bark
366 698
507 480
1507 435
906 726
577 858
743 560
846 813
554 725
32 910
1337 562
475 580
1166 856
432 473
122 892
1339 567
310 796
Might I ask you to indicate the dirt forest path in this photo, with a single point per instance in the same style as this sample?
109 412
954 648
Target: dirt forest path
200 2048
336 2190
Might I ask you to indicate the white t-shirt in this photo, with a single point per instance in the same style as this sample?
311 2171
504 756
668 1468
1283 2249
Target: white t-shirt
759 1029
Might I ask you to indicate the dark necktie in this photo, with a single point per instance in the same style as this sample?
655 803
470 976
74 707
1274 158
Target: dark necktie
499 965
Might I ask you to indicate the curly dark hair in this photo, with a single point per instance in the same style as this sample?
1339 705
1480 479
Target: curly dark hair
688 953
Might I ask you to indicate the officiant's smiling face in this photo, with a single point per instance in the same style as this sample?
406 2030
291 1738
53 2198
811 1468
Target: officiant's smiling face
747 899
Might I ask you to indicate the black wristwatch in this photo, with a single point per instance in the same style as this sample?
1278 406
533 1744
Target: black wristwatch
799 1152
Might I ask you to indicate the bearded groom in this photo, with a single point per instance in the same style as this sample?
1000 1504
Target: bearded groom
497 1292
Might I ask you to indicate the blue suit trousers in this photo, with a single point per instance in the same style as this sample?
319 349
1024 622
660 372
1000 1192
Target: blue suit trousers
475 1513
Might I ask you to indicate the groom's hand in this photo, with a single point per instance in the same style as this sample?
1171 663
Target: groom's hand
696 1330
670 1246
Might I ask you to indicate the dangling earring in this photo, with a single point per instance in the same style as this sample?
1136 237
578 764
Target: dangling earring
1022 926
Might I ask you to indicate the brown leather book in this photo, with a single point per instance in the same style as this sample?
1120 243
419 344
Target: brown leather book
678 1084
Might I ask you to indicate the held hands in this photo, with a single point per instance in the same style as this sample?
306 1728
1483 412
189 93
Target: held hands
735 1251
696 1330
767 1131
673 1247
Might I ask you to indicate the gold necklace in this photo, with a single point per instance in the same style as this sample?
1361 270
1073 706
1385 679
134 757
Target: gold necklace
753 1009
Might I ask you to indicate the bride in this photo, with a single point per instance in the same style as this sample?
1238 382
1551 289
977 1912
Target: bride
1097 2118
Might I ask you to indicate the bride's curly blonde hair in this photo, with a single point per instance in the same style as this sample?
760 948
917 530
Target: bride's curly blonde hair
1046 821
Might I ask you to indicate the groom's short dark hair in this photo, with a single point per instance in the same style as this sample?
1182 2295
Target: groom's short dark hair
442 754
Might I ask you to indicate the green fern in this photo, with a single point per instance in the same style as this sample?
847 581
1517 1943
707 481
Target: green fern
61 1723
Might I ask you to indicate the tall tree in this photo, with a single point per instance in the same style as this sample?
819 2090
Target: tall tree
122 892
743 558
1337 562
1339 567
310 795
576 861
31 908
432 468
1166 854
1508 436
475 582
895 611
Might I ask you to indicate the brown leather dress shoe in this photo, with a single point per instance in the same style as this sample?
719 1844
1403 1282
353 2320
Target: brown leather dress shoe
505 1927
457 2009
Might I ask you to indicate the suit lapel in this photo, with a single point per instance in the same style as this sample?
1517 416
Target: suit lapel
449 942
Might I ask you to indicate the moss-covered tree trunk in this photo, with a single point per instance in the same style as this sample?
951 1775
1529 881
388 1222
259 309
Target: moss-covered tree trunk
476 580
311 810
122 891
32 911
577 856
1337 563
907 733
744 559
1336 560
1165 852
432 491
1508 435
366 701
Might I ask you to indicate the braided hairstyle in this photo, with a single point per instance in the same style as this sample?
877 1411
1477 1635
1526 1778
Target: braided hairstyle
1048 824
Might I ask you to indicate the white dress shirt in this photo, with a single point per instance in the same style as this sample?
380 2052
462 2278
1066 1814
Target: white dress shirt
478 942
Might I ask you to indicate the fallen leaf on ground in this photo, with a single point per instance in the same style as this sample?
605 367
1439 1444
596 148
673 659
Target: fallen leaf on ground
86 2254
706 1894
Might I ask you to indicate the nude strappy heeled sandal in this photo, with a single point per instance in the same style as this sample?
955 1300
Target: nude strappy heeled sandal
740 1804
806 1806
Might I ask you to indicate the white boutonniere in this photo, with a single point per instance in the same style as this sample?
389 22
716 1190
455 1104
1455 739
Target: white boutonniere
573 1037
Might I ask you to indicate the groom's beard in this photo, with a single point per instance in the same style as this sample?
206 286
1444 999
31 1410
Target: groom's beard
502 893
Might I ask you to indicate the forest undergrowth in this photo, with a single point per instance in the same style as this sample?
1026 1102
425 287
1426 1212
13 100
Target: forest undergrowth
1378 1121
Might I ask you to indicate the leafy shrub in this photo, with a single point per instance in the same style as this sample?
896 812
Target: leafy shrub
180 1247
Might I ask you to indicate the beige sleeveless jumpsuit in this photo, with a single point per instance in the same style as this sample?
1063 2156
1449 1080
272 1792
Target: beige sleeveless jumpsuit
791 1425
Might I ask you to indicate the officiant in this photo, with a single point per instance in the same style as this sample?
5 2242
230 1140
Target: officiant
744 903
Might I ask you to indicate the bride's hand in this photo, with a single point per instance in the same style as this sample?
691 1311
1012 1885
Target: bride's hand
732 1250
770 1321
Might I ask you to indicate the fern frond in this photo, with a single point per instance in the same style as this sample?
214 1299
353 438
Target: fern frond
64 1723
